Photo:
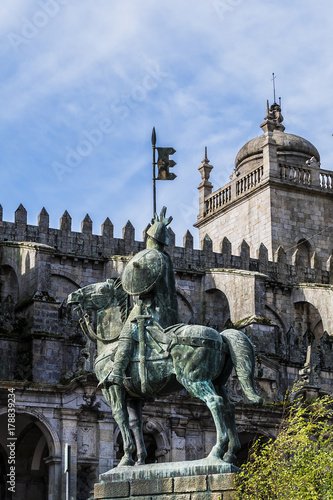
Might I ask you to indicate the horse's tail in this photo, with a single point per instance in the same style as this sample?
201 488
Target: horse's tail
243 358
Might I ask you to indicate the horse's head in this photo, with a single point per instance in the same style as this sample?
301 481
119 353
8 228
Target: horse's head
97 296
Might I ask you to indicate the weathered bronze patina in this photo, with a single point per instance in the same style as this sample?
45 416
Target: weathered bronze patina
143 351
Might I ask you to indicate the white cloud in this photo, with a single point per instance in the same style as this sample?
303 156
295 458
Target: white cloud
89 63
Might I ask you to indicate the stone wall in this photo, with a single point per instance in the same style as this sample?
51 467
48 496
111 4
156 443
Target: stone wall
283 305
300 213
215 288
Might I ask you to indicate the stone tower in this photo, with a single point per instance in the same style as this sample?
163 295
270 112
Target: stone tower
265 267
277 196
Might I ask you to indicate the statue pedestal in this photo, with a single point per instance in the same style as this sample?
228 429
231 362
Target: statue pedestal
207 479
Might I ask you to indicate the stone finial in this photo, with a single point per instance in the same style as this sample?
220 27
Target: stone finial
188 240
107 228
245 255
43 220
205 186
86 225
207 244
172 237
308 337
129 232
205 168
66 222
226 251
21 215
280 256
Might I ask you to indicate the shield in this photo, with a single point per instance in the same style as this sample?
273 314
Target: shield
143 271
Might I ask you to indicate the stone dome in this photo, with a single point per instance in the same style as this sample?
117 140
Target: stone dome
286 143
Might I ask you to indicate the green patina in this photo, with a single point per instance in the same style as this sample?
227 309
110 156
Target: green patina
143 351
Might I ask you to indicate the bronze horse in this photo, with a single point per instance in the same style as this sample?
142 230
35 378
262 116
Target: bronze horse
194 357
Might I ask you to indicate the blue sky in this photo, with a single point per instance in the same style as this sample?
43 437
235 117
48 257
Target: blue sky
83 82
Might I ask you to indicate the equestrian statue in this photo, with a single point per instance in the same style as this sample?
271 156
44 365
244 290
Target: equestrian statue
143 351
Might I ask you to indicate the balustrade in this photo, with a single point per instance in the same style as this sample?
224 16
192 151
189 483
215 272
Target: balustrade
218 199
298 175
249 181
326 180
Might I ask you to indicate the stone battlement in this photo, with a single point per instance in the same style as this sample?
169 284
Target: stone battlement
288 266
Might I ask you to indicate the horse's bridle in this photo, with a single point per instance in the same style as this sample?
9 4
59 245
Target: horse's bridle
84 322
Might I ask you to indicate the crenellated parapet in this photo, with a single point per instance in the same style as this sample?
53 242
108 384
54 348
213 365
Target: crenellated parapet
65 240
288 267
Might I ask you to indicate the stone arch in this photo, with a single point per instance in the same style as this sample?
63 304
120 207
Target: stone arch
71 277
233 283
150 444
272 314
38 454
9 261
9 284
216 313
154 427
307 321
320 297
62 284
156 441
247 439
185 309
42 422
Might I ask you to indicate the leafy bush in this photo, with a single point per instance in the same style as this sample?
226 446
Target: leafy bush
298 464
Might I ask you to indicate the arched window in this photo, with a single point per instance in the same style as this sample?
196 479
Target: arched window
8 284
31 450
304 252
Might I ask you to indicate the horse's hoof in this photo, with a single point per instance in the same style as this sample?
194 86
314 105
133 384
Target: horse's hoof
230 458
216 453
126 462
140 462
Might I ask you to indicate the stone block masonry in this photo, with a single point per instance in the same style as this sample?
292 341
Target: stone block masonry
196 480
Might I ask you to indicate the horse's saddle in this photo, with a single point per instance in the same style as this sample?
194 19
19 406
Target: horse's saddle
160 341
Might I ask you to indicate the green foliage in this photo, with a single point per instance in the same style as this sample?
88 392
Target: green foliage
298 464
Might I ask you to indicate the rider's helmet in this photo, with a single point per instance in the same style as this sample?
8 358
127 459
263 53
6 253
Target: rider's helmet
158 230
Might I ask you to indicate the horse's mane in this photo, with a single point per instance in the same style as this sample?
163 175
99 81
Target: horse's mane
123 300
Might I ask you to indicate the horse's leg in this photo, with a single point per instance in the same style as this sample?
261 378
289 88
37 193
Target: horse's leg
229 418
134 407
116 395
204 390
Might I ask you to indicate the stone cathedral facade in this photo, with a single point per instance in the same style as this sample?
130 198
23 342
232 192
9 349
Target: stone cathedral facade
265 266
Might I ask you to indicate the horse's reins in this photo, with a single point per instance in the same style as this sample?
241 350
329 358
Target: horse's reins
84 322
